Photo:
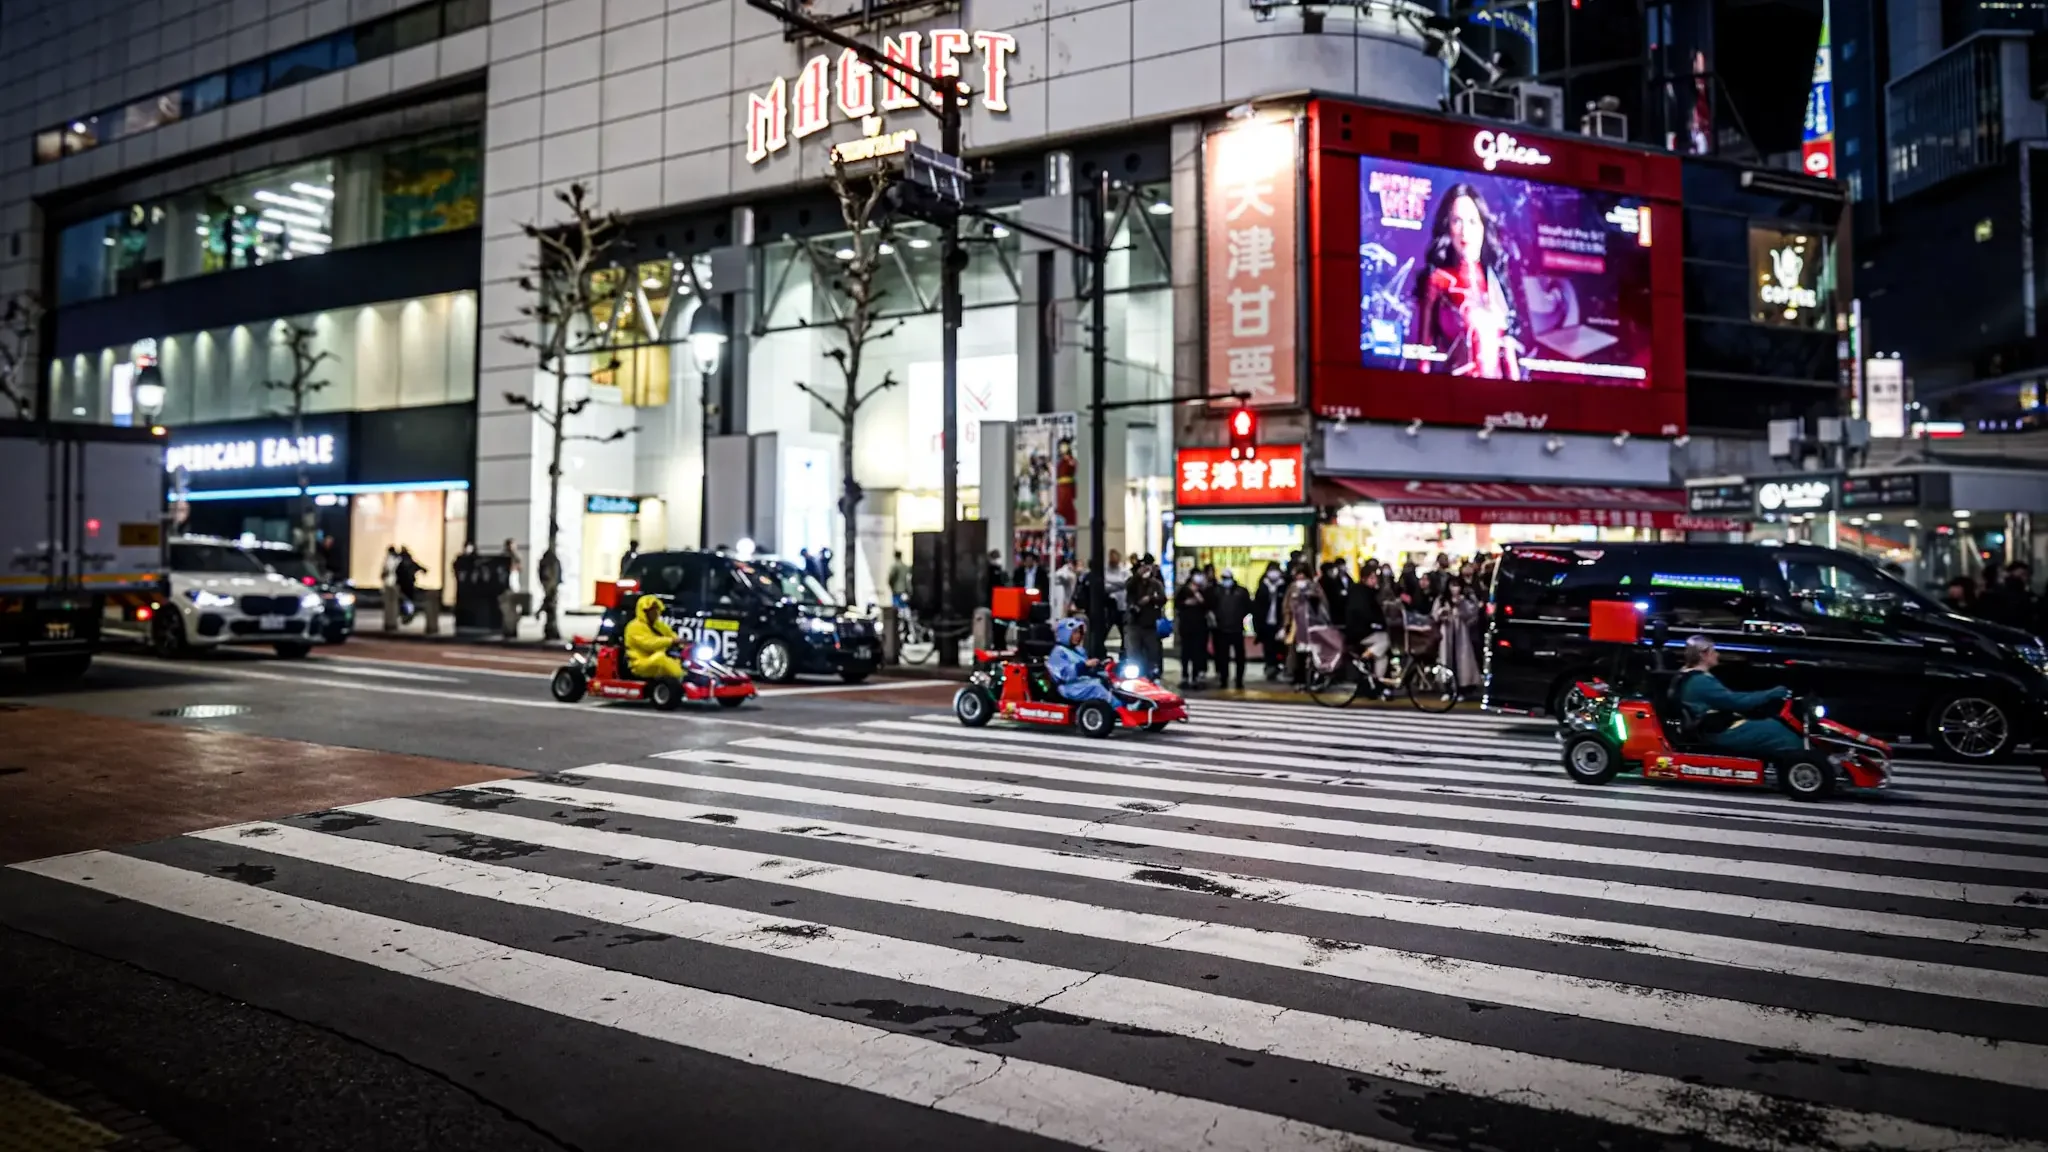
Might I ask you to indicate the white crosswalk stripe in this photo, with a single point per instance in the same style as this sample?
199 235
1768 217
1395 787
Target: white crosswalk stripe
1133 944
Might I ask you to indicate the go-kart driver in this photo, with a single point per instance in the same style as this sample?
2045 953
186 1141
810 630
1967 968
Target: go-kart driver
648 640
1077 677
1717 713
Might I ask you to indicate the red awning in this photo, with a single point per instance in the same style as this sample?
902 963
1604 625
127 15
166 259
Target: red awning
1457 502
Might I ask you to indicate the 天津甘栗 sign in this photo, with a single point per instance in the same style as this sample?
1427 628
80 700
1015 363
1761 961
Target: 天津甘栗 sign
793 109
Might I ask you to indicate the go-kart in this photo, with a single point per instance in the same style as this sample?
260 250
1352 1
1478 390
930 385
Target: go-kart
599 666
1612 724
1017 687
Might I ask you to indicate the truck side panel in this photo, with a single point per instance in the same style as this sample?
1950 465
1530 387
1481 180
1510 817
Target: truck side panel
117 509
27 551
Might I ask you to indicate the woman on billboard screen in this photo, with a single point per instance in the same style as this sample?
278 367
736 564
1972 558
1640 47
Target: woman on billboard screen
1462 305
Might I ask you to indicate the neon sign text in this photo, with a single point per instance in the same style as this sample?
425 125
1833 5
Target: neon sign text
1496 148
794 109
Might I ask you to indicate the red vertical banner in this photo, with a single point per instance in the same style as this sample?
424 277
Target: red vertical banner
1252 221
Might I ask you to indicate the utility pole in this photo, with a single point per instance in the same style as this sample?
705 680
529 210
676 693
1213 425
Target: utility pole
942 99
1098 420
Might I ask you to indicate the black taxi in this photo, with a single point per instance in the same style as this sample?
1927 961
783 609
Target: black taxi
765 614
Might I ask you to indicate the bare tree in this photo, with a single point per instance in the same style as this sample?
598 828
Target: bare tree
20 320
854 325
297 390
562 284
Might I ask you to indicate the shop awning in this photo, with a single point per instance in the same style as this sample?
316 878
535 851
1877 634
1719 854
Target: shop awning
1455 502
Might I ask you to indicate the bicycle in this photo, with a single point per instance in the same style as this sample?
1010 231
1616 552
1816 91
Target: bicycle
1338 674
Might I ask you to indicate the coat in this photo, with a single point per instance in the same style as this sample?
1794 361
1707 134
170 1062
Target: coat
647 644
1303 609
1230 606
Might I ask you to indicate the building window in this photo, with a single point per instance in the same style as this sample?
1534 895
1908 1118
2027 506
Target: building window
398 354
392 191
409 28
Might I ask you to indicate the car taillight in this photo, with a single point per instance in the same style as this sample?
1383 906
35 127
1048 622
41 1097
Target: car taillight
142 613
308 581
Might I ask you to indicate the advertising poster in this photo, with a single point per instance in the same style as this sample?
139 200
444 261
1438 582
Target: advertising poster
1787 278
1491 276
1047 479
1817 145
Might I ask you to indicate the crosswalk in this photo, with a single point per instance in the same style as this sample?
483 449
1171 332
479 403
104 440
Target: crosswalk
1277 927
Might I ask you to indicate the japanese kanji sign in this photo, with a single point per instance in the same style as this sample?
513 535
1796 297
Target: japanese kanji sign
1206 477
1253 243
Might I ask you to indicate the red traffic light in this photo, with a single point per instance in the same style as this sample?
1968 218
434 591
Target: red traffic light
1243 434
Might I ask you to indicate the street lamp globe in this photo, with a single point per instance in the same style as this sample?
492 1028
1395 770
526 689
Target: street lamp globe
149 393
707 338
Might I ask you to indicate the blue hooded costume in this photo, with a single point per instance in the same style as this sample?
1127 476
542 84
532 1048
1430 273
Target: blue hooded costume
1068 666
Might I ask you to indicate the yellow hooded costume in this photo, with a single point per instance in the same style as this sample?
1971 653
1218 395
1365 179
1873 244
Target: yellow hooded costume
647 644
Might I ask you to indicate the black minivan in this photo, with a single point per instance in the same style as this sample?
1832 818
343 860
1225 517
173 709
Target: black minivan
765 614
1887 659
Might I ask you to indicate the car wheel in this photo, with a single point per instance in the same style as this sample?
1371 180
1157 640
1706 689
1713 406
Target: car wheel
1807 778
1589 760
1970 728
58 669
293 651
855 673
1094 718
665 694
731 701
568 685
167 635
774 662
973 706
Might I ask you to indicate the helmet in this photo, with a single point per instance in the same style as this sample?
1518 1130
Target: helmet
1065 629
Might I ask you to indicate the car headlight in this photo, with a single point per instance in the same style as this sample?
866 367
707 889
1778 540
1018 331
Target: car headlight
814 624
201 598
2034 654
345 599
310 601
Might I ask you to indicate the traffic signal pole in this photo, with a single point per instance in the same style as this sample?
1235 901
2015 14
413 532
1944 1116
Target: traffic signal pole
942 100
1098 419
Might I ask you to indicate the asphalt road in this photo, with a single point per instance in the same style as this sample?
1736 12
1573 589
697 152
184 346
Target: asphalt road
838 920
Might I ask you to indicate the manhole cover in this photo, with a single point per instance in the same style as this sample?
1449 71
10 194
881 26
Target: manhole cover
203 711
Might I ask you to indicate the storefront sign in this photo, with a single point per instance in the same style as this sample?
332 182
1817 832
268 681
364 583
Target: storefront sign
1208 477
1786 269
1817 144
794 109
1252 227
1737 497
1897 490
1776 497
1497 148
269 453
612 505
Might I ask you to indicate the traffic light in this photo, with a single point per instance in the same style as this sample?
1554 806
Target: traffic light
1244 434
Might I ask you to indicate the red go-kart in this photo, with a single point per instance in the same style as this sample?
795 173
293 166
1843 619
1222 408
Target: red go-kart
1017 687
1607 729
600 667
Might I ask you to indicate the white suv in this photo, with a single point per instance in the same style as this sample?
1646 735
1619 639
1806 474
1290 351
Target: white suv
223 593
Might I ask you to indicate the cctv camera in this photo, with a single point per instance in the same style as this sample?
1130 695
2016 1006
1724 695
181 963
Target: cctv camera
1486 433
1621 439
1415 427
1554 445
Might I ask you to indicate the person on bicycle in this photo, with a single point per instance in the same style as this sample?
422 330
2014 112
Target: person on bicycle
1077 677
1365 624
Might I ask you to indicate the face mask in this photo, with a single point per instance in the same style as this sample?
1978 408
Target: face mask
1229 580
1301 582
1199 580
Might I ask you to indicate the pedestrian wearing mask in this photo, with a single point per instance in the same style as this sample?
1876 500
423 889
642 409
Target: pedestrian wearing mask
1147 597
1231 607
1191 622
1268 600
1304 609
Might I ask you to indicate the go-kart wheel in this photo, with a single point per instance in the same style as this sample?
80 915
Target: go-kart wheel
1807 778
568 685
973 706
665 695
1590 760
1094 718
731 701
775 663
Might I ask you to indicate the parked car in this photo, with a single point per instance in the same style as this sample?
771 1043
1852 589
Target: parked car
765 614
223 593
337 599
1887 659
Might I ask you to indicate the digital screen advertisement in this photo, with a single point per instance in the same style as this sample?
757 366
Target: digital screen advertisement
1490 276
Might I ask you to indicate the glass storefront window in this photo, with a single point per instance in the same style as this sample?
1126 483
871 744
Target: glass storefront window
398 354
390 192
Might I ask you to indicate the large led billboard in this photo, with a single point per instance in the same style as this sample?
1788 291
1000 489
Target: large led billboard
1466 273
1501 277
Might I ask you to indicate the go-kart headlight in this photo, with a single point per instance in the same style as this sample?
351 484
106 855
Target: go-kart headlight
201 598
1820 711
1129 671
703 653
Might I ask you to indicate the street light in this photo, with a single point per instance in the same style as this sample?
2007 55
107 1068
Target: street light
707 348
149 392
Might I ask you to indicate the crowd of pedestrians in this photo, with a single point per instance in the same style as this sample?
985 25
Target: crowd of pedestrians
2006 598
